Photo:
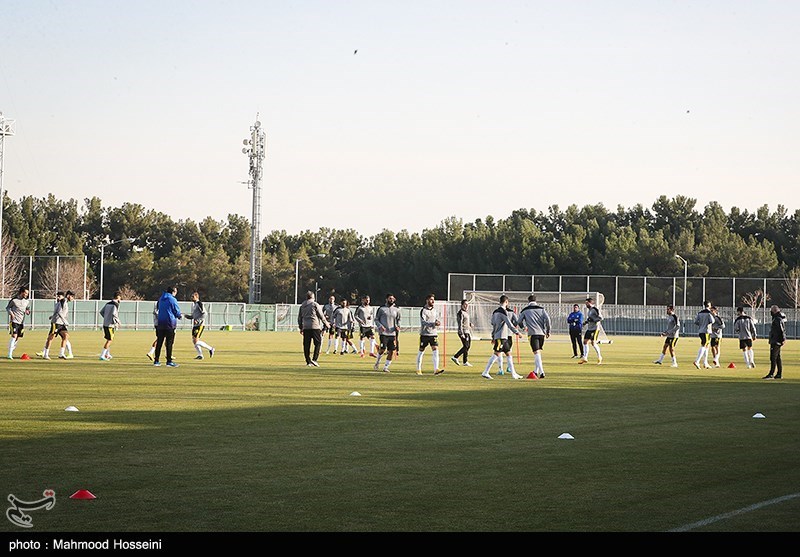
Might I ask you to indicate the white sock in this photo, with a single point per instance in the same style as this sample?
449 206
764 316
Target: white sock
746 357
61 351
69 347
372 346
330 341
419 360
378 361
11 345
661 358
597 349
699 355
492 360
436 360
500 363
336 345
202 344
537 358
585 351
510 359
152 350
198 349
752 356
388 363
674 360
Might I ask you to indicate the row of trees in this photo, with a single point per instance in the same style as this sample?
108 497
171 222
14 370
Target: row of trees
213 256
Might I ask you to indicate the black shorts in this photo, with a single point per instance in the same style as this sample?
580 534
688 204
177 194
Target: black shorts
704 339
367 332
715 341
591 335
424 341
388 342
671 341
501 345
344 334
57 329
16 329
197 330
537 342
745 343
108 333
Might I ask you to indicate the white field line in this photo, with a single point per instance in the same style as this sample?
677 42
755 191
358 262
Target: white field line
725 516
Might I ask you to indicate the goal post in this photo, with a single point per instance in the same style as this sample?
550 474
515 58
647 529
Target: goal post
557 304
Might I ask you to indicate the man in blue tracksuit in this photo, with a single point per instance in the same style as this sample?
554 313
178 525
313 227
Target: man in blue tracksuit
575 321
168 315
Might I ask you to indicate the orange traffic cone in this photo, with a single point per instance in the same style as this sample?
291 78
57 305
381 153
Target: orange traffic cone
25 357
82 494
532 375
731 365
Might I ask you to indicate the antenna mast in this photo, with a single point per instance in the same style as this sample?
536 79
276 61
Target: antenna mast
255 148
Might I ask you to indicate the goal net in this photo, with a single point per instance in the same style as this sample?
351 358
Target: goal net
557 304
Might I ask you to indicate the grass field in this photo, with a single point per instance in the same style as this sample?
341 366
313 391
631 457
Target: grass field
252 440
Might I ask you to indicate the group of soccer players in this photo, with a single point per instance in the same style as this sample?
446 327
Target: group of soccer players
18 308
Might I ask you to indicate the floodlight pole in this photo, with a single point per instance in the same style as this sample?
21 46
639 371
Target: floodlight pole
685 276
256 149
6 129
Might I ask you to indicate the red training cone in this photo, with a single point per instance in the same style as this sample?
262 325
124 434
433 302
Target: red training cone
532 375
731 365
82 494
24 357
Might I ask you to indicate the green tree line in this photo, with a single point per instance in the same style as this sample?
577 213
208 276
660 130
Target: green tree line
213 256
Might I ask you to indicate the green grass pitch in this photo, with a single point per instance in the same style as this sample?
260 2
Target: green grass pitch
253 440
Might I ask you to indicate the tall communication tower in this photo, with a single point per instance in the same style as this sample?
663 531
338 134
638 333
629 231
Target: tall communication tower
6 129
255 148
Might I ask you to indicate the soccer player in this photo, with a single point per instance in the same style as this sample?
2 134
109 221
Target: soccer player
777 338
464 334
328 310
536 321
672 332
704 322
343 321
592 323
365 317
745 329
575 322
168 314
428 334
17 308
502 328
110 313
716 335
387 320
311 321
59 323
198 318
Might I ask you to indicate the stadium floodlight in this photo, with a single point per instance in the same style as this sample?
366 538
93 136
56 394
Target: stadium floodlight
685 276
102 258
297 275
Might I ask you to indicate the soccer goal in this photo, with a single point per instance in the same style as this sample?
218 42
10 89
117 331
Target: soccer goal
558 305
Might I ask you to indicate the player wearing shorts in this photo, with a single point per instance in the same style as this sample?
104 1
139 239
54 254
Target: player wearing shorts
198 318
592 323
704 322
428 334
110 313
672 332
536 321
365 317
327 311
502 329
17 308
716 335
387 321
59 326
745 330
343 321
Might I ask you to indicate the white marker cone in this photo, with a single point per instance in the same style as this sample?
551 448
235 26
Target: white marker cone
70 409
355 393
565 436
759 415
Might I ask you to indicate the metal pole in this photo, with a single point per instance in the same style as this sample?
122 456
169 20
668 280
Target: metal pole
58 263
296 279
673 291
85 264
102 257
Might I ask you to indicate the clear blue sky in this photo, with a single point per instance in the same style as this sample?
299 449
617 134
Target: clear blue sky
449 108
